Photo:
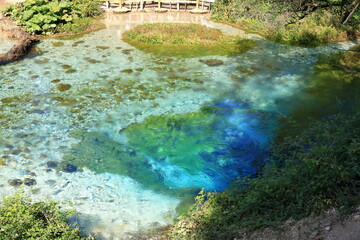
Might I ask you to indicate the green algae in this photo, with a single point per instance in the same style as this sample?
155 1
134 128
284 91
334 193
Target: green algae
178 139
199 50
102 154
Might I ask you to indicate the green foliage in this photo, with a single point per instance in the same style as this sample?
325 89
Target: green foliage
48 16
309 173
185 40
20 218
78 25
284 22
89 8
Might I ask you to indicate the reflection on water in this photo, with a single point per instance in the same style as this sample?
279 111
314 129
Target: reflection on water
126 136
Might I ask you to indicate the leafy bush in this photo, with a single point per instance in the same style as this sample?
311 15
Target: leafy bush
309 173
281 21
20 218
79 25
89 8
47 16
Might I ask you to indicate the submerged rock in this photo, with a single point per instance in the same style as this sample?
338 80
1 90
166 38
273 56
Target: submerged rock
127 71
212 62
58 44
42 61
69 168
90 60
66 66
29 181
51 164
102 47
15 182
63 87
70 71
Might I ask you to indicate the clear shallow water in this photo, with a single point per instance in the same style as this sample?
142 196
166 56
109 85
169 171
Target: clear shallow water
144 131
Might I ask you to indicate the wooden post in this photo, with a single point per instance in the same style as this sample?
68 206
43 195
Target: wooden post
121 2
159 3
197 4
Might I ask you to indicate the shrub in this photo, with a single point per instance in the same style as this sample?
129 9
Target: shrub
48 16
20 218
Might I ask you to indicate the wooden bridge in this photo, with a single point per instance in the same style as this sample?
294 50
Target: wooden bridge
123 6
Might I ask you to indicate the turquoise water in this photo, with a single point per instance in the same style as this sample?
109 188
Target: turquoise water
144 132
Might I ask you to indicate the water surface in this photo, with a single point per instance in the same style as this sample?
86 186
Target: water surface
144 132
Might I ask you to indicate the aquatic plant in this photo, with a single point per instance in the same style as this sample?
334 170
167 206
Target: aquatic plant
185 40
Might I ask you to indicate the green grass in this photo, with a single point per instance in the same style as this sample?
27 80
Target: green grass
185 40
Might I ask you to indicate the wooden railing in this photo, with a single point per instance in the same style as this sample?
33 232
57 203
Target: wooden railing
142 3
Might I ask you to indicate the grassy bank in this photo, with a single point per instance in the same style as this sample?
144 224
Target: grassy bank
295 22
184 40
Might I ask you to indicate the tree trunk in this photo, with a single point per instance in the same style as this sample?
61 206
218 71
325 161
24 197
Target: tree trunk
350 11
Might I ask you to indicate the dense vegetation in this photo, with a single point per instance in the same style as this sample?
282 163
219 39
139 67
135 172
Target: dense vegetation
185 40
302 22
20 218
312 169
53 16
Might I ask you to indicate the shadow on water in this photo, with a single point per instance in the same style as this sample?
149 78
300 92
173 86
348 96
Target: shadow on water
333 88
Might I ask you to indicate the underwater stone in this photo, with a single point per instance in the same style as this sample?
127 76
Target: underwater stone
42 61
66 66
75 44
50 182
58 44
127 51
37 111
90 60
29 181
127 71
16 152
3 161
102 47
69 168
244 70
55 80
212 62
15 182
51 164
70 71
63 87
